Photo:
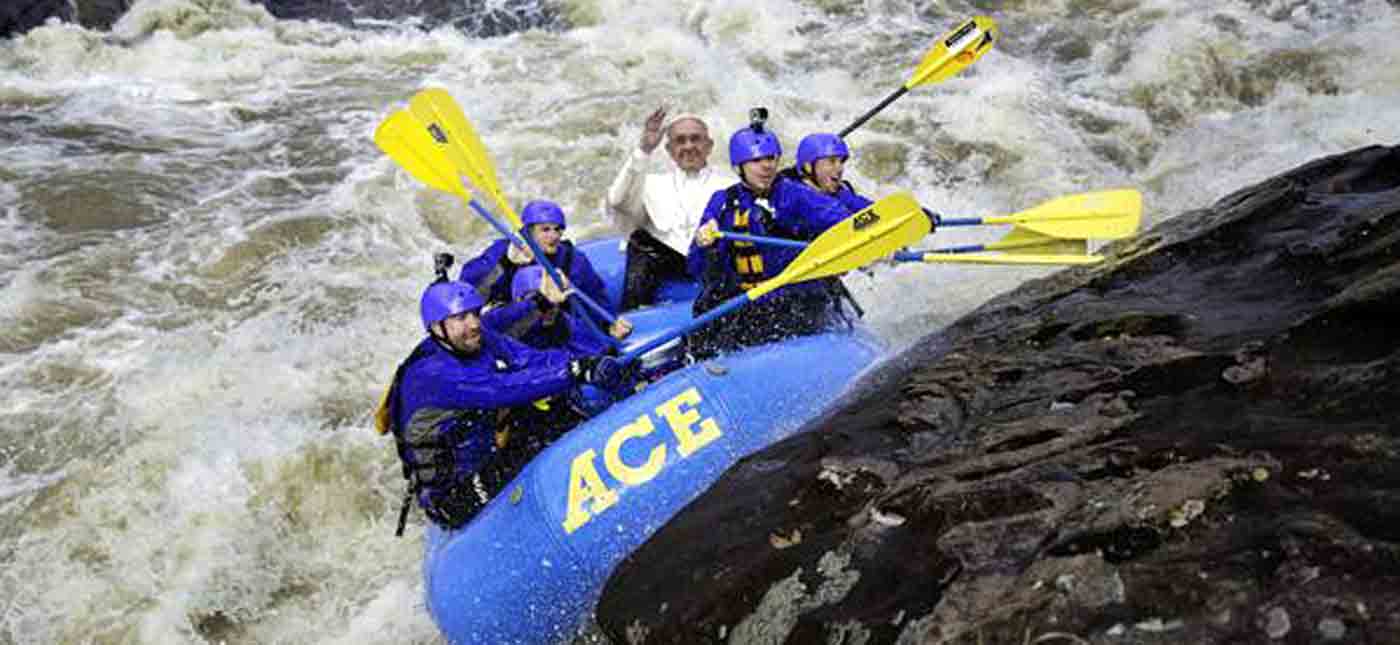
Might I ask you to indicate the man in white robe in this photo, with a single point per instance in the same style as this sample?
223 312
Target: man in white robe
660 211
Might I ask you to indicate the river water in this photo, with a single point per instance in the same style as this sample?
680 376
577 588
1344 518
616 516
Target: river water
209 271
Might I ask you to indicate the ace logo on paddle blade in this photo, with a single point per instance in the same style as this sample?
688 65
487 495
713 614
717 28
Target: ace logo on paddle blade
438 135
864 220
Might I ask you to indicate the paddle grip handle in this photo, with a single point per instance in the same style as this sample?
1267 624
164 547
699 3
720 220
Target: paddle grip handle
873 111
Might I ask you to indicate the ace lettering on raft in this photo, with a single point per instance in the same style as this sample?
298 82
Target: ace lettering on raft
681 413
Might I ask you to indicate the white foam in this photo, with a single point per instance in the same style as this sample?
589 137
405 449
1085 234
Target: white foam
202 438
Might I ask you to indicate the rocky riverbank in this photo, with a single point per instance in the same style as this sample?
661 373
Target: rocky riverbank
1193 442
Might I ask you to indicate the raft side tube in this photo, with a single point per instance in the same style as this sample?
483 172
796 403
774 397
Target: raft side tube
510 594
529 568
609 258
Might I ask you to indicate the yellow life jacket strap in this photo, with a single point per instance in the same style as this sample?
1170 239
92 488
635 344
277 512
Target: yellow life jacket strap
748 260
382 419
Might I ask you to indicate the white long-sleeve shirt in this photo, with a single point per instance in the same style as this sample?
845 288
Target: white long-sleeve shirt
667 204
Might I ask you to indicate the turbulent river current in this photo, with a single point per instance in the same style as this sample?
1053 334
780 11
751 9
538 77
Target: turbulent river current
208 272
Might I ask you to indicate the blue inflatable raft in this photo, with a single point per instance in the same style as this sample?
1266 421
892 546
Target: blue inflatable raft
529 568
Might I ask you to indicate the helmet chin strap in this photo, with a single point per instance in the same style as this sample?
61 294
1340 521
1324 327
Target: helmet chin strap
439 335
809 175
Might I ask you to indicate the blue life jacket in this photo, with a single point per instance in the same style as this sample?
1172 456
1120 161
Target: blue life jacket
853 201
729 267
445 408
798 212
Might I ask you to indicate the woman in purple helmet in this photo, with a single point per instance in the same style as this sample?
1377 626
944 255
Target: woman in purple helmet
492 272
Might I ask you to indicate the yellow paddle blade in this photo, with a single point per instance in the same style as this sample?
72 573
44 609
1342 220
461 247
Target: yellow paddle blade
955 51
1025 241
406 142
878 231
439 112
452 132
1103 215
1010 258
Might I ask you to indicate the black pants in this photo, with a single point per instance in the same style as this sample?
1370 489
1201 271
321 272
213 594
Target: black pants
649 261
459 503
531 431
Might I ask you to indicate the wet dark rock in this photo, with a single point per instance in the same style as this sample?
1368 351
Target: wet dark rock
476 17
101 14
1277 623
1331 629
1193 442
19 16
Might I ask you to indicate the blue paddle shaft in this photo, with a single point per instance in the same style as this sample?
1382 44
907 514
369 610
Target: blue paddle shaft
694 324
958 221
969 248
724 308
902 256
760 239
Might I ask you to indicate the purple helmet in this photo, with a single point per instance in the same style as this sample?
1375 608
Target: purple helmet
527 279
819 146
446 298
748 144
541 212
